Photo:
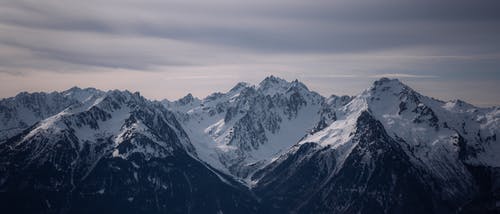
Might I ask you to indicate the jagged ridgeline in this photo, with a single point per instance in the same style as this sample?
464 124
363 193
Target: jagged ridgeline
274 147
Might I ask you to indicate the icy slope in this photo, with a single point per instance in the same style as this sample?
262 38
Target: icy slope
436 130
432 130
245 128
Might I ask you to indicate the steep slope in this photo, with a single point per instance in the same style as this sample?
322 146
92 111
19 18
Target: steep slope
22 111
119 153
389 150
245 128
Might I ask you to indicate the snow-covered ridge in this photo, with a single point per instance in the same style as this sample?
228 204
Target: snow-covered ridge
25 109
123 122
427 122
250 126
82 95
246 127
387 139
439 137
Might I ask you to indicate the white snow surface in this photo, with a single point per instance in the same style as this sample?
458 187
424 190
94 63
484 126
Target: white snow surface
429 130
338 134
25 109
113 127
431 144
211 135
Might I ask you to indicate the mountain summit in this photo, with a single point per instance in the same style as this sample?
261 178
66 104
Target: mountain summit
274 147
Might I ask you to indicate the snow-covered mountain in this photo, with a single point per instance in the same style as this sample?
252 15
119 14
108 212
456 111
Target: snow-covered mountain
20 112
274 147
117 153
391 150
244 128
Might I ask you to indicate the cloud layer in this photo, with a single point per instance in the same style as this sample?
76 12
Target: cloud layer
211 44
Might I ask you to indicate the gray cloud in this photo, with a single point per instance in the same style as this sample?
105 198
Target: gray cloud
233 40
277 26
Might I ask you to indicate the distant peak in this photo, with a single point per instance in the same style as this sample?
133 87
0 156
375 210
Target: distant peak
272 85
240 86
187 99
188 96
114 99
297 84
386 84
273 80
80 94
459 103
386 81
118 94
74 88
24 93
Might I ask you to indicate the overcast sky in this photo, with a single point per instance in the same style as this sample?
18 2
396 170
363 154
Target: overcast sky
449 49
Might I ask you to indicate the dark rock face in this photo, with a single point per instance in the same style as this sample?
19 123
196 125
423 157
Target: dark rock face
176 184
488 181
285 185
248 133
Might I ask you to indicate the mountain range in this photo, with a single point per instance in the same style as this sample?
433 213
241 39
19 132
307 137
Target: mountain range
274 147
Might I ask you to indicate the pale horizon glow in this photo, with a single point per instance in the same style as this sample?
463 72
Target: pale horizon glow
161 86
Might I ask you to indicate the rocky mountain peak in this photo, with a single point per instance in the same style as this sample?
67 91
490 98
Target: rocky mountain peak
82 95
272 85
385 94
186 99
117 99
272 79
297 85
388 85
240 86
